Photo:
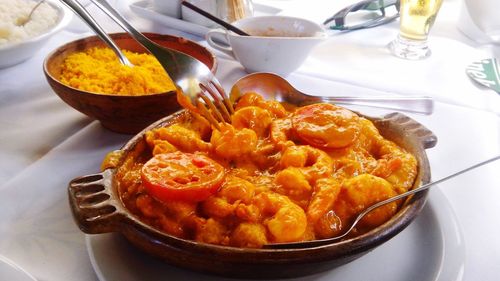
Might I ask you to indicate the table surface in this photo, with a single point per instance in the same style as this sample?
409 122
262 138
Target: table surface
44 143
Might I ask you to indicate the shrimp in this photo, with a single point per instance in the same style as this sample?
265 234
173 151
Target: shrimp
233 192
403 167
360 192
325 193
280 132
212 231
157 145
292 182
172 217
314 163
254 99
249 235
352 161
180 137
323 222
369 137
326 125
285 221
385 167
392 162
395 165
231 143
254 118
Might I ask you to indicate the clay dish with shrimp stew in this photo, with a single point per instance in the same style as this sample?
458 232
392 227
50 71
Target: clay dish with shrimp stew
213 200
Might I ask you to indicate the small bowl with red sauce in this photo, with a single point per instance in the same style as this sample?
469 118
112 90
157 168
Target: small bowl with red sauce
159 173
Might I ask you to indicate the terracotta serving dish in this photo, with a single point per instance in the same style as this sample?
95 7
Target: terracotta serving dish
123 114
97 208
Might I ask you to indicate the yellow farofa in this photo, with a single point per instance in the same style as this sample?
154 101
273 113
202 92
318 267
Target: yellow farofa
98 70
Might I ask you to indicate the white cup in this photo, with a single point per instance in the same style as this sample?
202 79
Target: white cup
480 20
278 44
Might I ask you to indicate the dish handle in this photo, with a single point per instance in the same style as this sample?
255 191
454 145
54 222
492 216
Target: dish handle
426 137
96 209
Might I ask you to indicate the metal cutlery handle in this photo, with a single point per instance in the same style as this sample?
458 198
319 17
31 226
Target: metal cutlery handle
78 9
415 104
171 61
118 18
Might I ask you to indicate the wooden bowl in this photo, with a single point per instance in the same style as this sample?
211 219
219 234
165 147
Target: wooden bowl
97 208
122 114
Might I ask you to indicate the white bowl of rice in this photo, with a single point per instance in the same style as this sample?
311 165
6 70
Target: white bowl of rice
19 41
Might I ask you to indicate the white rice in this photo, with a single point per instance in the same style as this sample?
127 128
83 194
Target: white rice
14 12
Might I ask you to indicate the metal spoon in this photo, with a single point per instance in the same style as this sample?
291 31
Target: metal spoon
315 243
274 87
24 21
78 9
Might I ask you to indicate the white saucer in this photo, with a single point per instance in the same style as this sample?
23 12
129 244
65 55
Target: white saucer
431 248
12 272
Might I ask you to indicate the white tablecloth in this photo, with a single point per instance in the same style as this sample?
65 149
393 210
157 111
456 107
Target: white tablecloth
44 143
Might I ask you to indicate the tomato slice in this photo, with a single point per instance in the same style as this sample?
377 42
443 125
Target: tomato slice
181 176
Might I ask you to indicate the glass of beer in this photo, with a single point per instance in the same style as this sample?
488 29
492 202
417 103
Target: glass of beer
416 19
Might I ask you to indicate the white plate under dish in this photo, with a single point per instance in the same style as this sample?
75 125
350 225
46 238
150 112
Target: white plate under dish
12 272
431 248
144 9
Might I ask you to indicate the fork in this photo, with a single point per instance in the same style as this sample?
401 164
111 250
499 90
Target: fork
196 85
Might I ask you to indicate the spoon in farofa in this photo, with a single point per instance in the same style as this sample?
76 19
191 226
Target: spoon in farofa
320 242
78 9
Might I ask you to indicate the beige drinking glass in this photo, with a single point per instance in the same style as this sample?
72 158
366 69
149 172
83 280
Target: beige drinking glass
416 19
